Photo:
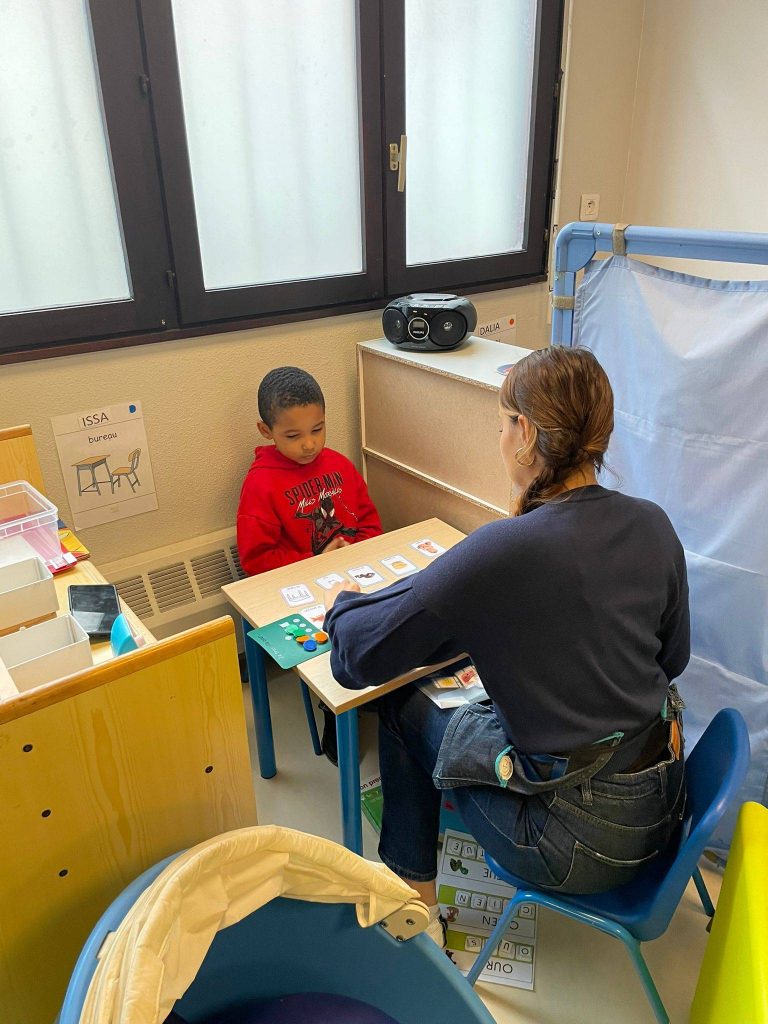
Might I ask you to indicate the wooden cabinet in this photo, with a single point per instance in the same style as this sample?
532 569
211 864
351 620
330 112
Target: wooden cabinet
430 432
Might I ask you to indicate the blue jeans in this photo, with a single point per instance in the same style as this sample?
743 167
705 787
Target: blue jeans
582 839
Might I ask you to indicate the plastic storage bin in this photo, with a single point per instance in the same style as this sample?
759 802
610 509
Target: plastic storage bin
29 523
27 594
45 652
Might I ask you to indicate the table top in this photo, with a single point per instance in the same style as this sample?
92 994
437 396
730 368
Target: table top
92 460
85 572
259 598
477 361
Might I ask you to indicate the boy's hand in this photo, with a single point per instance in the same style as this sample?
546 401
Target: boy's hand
334 592
335 544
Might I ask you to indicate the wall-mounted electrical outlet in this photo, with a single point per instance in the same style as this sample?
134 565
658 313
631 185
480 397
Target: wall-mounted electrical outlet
589 207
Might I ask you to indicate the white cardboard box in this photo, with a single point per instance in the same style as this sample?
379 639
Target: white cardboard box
27 593
47 651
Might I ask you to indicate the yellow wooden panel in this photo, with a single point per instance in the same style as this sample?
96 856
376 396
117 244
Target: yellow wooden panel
733 980
18 457
102 776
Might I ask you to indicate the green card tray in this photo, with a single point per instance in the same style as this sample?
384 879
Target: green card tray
280 645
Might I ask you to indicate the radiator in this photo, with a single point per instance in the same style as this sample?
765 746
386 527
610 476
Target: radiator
178 586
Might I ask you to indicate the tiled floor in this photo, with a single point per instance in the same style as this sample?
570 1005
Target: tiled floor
582 977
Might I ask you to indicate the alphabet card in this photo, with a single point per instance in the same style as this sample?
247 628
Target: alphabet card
104 456
472 899
365 575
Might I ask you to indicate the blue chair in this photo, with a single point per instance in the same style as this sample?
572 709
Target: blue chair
642 909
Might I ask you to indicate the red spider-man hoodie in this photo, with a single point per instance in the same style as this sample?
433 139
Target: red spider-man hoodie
289 511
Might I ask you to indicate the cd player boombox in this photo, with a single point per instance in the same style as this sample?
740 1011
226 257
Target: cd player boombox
428 322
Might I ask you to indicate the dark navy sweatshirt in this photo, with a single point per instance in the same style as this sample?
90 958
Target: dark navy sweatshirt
575 614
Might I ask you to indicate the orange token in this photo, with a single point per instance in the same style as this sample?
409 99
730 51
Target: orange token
301 639
321 637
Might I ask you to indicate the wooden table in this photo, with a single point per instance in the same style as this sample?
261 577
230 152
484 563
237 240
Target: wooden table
85 572
259 601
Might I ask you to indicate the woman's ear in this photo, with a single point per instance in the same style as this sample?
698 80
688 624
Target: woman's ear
265 432
526 429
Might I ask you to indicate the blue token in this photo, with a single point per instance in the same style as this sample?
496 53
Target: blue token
310 645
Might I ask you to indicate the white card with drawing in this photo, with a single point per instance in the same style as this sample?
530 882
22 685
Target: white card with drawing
428 547
365 575
315 614
297 594
326 582
399 565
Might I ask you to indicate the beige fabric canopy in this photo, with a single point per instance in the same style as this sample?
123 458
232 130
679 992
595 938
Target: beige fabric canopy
153 957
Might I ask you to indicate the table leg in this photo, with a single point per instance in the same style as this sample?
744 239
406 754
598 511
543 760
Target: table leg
262 719
349 780
311 718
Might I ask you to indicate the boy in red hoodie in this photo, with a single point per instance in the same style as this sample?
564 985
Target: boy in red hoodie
299 498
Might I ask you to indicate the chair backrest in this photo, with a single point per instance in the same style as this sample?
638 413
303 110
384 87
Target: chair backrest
134 459
714 771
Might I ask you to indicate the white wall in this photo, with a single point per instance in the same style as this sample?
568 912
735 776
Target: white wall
199 394
699 142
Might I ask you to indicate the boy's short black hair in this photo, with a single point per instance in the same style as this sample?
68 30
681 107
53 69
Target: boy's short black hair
284 387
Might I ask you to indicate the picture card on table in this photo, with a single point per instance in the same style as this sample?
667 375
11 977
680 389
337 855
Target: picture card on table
428 547
399 565
315 614
298 594
365 575
326 582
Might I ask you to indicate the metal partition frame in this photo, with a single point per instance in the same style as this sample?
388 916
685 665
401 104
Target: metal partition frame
578 242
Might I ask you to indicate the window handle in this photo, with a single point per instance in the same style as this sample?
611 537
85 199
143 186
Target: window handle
397 156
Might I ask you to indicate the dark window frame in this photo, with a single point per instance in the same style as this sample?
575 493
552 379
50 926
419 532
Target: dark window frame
117 43
463 274
141 95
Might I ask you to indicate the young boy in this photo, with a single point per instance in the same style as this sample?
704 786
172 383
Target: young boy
299 497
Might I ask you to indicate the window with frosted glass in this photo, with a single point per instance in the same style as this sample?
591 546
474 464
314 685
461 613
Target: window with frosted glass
60 238
270 96
468 90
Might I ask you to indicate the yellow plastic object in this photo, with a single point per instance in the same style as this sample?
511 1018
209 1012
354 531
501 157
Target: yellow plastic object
733 981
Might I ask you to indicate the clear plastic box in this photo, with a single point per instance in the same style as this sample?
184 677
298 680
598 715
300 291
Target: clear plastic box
29 525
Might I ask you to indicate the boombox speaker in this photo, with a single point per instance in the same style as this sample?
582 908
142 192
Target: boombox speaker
428 322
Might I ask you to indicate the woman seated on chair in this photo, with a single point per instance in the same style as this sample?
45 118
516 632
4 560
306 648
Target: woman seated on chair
575 613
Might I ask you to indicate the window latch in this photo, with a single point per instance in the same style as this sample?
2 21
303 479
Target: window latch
397 161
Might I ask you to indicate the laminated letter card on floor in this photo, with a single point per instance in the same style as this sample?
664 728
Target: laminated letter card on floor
472 898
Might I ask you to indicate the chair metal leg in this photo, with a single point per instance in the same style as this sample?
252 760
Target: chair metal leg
262 718
651 992
495 938
311 718
347 741
701 889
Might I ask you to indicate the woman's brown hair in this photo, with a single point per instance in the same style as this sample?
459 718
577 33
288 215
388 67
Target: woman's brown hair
567 397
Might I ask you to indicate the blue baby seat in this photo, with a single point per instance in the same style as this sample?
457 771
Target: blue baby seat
266 926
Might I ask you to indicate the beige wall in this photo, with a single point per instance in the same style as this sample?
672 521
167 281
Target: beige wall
699 142
199 395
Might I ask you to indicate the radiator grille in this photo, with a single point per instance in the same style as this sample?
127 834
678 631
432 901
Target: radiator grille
135 595
212 572
235 556
171 586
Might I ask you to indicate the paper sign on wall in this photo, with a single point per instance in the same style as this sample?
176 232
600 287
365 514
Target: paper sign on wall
502 328
105 462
